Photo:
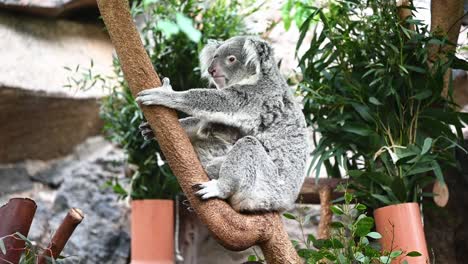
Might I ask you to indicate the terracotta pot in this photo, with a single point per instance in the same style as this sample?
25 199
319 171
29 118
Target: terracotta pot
401 229
152 232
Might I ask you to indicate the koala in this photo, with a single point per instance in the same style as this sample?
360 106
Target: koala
249 132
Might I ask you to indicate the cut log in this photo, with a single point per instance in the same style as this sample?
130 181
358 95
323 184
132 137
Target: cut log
15 216
61 236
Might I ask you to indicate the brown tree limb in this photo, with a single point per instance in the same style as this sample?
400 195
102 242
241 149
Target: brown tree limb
61 236
325 213
310 192
233 230
446 17
404 12
15 216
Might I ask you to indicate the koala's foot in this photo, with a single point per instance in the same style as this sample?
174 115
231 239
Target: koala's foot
210 189
146 131
155 96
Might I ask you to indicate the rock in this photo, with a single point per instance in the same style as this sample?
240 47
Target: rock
49 8
14 179
103 236
39 118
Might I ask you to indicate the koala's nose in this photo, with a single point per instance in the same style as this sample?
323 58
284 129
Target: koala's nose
211 70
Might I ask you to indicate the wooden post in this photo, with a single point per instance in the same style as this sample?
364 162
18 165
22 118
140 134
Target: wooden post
325 213
15 216
61 236
446 17
233 230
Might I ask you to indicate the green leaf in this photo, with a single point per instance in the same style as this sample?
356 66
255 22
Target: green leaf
336 225
359 257
426 146
415 69
252 258
336 244
355 173
382 198
385 259
396 253
423 95
438 172
311 238
342 259
186 25
363 111
362 131
336 210
361 207
374 100
2 247
414 254
363 226
168 28
348 197
399 189
289 216
21 236
374 235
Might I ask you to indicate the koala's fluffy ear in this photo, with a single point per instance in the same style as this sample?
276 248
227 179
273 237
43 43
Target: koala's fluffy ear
206 55
258 53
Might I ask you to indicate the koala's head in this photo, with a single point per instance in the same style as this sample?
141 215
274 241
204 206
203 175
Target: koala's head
238 60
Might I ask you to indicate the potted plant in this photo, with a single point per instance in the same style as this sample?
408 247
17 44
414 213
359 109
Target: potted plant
373 94
352 239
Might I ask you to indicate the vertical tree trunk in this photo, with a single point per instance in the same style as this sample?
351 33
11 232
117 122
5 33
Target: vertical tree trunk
233 230
446 228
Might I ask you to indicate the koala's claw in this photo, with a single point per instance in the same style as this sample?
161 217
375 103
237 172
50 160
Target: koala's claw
146 131
207 190
196 187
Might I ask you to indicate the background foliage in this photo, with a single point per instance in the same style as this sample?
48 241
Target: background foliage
373 94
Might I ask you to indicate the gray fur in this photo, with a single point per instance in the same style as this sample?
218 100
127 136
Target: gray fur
250 133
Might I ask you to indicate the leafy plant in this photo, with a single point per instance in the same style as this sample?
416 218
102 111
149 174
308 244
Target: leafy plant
373 93
173 33
296 12
352 239
31 253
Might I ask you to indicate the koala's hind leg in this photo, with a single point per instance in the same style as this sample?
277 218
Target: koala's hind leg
245 169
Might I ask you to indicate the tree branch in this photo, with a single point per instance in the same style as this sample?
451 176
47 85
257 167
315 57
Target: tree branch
446 17
233 230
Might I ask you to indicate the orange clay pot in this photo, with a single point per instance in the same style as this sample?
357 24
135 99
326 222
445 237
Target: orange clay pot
401 228
152 232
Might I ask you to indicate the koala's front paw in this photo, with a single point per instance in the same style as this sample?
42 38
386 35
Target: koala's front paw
146 131
208 190
155 96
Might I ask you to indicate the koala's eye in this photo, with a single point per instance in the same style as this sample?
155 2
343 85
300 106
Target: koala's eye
231 59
